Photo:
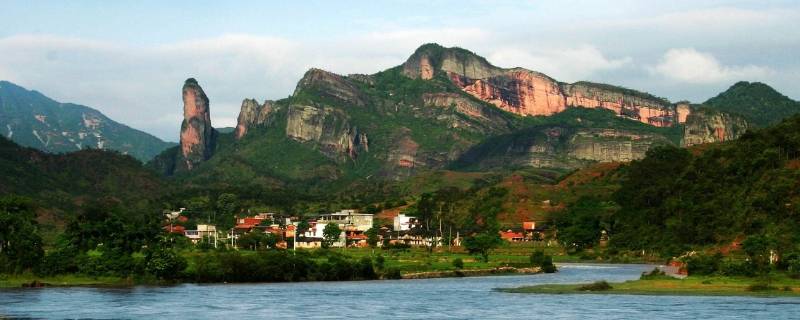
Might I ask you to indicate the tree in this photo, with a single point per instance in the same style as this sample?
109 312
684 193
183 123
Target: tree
302 226
331 234
757 248
258 239
482 244
20 243
164 263
581 224
372 237
458 263
541 260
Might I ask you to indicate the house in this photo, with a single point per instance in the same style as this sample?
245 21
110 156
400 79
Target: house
356 240
203 231
174 229
534 231
348 219
403 222
308 242
512 236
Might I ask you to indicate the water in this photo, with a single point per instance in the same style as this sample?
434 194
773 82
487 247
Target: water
453 298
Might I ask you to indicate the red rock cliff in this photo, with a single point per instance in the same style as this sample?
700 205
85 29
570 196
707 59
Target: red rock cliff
530 93
197 135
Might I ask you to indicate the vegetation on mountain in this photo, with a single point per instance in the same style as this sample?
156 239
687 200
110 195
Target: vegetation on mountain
757 102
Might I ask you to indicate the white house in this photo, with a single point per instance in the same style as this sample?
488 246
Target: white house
403 222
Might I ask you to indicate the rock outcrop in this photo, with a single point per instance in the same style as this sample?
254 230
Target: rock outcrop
530 93
559 147
610 145
324 84
328 128
706 125
251 115
198 138
479 117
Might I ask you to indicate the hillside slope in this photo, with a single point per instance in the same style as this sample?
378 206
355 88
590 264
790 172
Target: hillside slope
34 120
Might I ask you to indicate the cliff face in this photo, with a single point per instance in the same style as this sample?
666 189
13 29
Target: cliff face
198 138
324 84
476 116
559 147
328 128
530 93
252 114
609 145
708 126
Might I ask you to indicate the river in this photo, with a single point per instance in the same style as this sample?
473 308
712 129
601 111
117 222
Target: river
451 298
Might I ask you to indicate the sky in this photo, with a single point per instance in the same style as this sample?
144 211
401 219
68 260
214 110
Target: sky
129 59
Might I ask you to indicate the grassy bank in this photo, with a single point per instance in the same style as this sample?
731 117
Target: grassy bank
778 285
409 262
71 280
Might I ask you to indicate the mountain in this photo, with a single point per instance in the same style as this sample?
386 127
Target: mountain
443 108
60 183
756 102
34 120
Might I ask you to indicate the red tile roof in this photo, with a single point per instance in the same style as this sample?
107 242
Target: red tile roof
510 235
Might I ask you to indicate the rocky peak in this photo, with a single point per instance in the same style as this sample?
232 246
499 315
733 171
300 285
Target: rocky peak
197 135
326 84
529 93
252 114
431 58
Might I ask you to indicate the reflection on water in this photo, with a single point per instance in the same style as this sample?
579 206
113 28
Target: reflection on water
452 298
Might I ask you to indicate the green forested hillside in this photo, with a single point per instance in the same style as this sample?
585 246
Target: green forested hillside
31 119
63 181
675 198
759 103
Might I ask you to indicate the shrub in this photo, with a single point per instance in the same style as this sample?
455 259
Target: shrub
458 263
759 287
164 263
744 269
541 260
601 285
655 274
392 273
703 264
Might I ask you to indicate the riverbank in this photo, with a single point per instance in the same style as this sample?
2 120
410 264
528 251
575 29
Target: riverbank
470 273
32 281
779 285
28 280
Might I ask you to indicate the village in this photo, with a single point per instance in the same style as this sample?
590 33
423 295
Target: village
352 226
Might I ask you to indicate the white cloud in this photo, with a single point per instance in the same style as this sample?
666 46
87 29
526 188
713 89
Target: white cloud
565 64
692 66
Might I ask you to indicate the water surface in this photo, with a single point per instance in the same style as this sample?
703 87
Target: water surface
452 298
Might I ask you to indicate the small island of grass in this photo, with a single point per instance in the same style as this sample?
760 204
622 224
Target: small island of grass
775 285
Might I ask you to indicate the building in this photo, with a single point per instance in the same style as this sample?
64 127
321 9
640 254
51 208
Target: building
403 222
348 220
512 236
203 231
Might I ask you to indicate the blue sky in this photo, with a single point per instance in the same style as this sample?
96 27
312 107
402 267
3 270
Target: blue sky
129 59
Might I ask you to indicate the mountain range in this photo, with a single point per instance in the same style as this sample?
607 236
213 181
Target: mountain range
447 108
31 119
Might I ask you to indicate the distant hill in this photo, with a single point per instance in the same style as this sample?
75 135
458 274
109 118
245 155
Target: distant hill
61 182
34 120
758 103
